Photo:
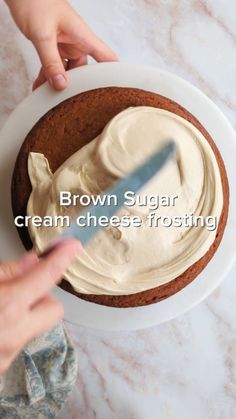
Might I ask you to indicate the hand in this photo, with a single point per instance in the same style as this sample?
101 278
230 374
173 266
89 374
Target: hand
26 307
61 37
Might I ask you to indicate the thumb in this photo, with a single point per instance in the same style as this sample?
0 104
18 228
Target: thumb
53 67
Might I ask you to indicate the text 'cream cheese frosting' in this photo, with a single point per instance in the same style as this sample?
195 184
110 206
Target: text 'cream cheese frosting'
127 260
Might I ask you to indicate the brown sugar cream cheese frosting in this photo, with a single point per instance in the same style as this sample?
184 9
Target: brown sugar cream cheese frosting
128 261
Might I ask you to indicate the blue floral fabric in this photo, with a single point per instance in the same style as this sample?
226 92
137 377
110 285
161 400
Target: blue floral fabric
39 381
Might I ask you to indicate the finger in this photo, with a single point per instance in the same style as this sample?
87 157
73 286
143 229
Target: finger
100 51
87 41
83 60
41 279
41 79
16 268
53 67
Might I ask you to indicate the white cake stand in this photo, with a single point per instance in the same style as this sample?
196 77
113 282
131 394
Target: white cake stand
154 80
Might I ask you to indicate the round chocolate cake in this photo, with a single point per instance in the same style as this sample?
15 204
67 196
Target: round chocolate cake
115 271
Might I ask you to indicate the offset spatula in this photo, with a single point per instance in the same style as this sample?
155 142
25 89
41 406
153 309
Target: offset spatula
133 182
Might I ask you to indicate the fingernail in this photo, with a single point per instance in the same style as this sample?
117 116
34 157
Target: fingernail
58 81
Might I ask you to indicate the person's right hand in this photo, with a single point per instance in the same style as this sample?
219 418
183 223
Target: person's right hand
26 307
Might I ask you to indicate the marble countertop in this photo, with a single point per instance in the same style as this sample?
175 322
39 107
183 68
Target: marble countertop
187 367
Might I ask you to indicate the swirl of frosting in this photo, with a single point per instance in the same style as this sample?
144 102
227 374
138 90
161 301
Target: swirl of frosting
127 260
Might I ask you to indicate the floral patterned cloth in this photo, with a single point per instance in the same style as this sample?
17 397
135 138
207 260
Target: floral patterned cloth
39 381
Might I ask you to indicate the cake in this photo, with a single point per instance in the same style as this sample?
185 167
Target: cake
84 135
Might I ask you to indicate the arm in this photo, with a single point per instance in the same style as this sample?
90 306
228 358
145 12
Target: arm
61 37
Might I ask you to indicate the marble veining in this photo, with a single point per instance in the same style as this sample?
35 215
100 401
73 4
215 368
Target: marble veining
187 367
